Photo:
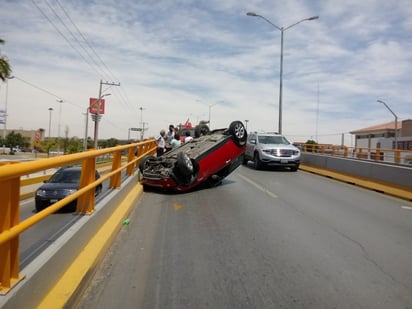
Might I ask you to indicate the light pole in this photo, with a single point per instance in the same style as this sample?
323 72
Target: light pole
58 128
210 107
396 122
50 114
5 113
141 123
246 121
86 129
282 30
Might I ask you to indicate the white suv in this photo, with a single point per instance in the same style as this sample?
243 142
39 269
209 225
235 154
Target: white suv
271 149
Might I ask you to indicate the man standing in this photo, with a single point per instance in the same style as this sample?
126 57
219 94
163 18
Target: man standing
169 137
161 143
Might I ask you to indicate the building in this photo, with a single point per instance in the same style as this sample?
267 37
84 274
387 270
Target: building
383 136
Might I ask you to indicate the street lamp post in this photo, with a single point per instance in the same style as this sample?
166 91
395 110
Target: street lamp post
246 121
210 107
5 113
282 30
141 123
396 122
86 129
50 114
59 125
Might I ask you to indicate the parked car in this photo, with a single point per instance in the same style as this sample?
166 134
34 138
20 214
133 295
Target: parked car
206 159
271 149
62 183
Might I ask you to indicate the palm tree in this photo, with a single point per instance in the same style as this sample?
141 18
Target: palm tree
5 69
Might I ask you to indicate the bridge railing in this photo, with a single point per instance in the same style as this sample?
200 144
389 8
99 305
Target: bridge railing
10 181
397 156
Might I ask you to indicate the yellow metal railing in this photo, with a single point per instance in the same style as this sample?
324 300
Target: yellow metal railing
10 174
398 156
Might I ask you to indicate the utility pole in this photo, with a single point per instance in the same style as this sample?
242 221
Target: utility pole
96 123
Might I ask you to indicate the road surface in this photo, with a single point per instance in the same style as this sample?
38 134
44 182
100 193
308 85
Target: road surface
263 239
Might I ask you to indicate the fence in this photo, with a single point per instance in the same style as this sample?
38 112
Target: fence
397 156
10 174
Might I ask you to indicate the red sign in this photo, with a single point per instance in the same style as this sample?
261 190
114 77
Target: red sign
93 106
37 136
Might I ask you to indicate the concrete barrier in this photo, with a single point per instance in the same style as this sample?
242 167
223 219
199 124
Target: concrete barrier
390 173
392 179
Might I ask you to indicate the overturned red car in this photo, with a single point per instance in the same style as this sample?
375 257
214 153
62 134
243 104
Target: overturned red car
206 159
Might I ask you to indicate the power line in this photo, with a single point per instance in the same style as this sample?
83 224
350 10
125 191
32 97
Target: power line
61 33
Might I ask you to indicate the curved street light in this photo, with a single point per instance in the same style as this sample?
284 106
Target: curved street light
282 30
396 122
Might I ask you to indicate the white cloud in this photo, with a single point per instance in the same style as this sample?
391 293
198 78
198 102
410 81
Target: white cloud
177 58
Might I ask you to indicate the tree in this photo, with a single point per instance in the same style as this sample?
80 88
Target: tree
5 69
74 145
111 142
311 145
14 140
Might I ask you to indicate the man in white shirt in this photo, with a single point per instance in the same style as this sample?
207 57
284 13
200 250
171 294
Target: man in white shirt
161 143
188 138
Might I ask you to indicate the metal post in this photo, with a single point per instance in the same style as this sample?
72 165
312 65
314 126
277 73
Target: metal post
396 122
96 122
210 107
141 122
50 114
281 82
58 128
5 113
282 30
86 129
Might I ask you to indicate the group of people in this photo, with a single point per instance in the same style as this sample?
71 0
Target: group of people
169 140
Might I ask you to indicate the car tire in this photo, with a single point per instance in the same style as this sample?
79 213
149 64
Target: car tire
201 129
245 160
184 165
256 162
238 131
99 189
143 161
294 168
39 208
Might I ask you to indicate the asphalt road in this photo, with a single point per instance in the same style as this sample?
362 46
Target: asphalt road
263 239
37 238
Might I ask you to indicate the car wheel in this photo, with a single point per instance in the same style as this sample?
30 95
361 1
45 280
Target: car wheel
245 160
256 162
98 190
184 164
294 168
39 208
142 163
238 131
201 129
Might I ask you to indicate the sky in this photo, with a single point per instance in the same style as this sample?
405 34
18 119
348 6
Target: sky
163 62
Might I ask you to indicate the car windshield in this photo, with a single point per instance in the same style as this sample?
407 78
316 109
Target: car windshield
273 139
65 176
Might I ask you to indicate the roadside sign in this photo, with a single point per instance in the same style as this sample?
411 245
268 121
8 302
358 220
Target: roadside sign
93 106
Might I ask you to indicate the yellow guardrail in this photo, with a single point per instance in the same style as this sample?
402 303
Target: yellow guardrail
10 174
398 156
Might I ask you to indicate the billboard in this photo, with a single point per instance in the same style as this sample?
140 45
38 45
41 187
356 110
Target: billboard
93 106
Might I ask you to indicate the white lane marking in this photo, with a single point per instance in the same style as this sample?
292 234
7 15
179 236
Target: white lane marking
407 207
257 186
